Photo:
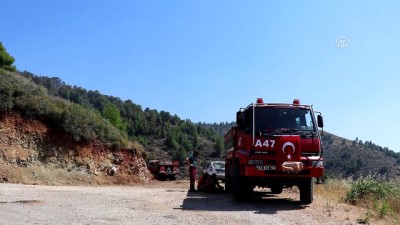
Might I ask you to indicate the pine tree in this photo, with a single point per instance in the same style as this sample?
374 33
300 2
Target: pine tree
113 115
6 60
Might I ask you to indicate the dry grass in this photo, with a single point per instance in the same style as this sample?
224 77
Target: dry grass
394 200
385 207
44 176
41 175
334 190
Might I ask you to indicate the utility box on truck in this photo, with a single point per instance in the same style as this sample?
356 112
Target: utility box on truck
274 145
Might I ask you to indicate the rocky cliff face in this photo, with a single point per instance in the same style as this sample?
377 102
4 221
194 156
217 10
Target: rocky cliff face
33 153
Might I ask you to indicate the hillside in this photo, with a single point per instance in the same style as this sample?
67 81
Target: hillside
33 153
152 129
345 158
88 117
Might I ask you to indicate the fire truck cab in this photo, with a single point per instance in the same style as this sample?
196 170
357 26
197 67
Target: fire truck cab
274 145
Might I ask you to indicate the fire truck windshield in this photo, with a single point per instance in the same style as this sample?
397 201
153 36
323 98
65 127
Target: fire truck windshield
268 119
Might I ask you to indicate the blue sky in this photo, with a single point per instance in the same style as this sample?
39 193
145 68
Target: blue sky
203 60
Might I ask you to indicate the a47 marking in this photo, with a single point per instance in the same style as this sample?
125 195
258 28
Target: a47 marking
267 143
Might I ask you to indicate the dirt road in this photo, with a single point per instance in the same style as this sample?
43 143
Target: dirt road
158 203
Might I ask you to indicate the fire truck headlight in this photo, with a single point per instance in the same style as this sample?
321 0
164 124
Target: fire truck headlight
318 163
255 162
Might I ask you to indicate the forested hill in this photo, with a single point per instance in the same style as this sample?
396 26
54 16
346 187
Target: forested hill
161 133
344 158
221 128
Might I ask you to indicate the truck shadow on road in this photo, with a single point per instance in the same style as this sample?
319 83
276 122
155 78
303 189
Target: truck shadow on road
260 203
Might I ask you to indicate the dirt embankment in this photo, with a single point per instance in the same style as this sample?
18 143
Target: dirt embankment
33 153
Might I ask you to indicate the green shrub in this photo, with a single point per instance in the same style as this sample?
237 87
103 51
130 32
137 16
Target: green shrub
180 155
374 192
369 186
6 60
88 125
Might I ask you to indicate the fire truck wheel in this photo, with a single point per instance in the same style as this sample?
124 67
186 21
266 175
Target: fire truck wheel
228 184
240 188
161 177
276 189
306 188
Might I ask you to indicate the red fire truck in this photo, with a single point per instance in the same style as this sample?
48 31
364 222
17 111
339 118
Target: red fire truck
274 145
164 169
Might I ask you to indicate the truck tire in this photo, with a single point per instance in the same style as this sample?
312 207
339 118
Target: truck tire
240 188
228 183
276 189
161 177
306 188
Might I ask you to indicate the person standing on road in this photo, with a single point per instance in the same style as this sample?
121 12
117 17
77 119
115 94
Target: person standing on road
192 169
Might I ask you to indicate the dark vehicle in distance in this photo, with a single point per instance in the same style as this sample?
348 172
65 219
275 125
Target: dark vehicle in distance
164 170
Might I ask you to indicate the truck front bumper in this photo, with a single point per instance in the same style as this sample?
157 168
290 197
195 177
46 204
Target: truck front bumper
309 171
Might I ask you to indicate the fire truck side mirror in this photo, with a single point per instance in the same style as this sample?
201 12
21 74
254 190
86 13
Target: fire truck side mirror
320 121
240 120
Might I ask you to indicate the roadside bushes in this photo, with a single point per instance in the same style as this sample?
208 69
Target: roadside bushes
369 186
20 94
89 125
374 192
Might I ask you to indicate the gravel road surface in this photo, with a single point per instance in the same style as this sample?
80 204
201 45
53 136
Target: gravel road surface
155 203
